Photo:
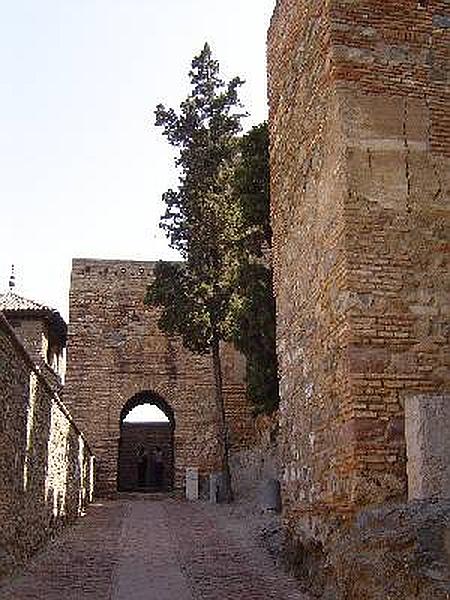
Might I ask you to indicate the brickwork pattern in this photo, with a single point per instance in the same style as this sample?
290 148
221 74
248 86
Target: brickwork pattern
308 190
360 179
45 463
115 350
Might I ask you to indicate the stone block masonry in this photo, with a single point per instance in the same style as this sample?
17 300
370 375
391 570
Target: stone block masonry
360 178
115 351
46 467
428 443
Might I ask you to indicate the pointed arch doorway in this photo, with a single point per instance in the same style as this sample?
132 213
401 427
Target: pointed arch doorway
146 444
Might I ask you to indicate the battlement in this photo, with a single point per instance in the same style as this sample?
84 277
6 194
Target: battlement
108 269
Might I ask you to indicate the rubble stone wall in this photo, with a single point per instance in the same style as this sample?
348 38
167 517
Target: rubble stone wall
46 467
360 180
253 467
115 351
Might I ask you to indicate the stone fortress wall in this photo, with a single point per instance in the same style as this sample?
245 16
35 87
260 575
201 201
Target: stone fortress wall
115 351
46 467
360 162
360 179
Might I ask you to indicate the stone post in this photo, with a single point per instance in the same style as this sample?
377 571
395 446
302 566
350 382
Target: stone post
270 495
213 488
192 483
427 421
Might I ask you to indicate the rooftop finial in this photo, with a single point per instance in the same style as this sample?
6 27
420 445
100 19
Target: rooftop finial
12 279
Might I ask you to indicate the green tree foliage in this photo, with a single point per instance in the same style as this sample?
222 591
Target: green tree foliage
254 319
252 187
203 221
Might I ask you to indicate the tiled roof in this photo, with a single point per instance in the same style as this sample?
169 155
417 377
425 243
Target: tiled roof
11 303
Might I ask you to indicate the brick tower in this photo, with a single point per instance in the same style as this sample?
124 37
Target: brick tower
360 178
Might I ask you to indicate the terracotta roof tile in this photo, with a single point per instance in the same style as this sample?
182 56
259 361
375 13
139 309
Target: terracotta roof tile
11 301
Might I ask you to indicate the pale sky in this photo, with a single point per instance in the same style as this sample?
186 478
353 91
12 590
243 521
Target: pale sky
82 167
146 413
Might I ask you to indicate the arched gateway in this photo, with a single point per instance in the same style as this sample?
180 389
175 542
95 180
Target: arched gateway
118 359
146 452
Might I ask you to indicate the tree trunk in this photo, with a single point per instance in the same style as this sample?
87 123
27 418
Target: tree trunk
223 437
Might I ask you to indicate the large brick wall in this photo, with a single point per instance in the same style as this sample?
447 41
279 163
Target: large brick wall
45 462
115 351
360 178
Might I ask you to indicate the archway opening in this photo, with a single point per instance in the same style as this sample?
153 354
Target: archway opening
146 452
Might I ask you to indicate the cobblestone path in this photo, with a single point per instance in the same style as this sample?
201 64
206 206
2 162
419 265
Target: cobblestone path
144 549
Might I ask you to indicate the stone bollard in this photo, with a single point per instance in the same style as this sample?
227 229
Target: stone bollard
427 424
270 496
91 485
214 488
192 483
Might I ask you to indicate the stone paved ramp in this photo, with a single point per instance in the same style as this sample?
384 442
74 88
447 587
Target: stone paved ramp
142 549
148 567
